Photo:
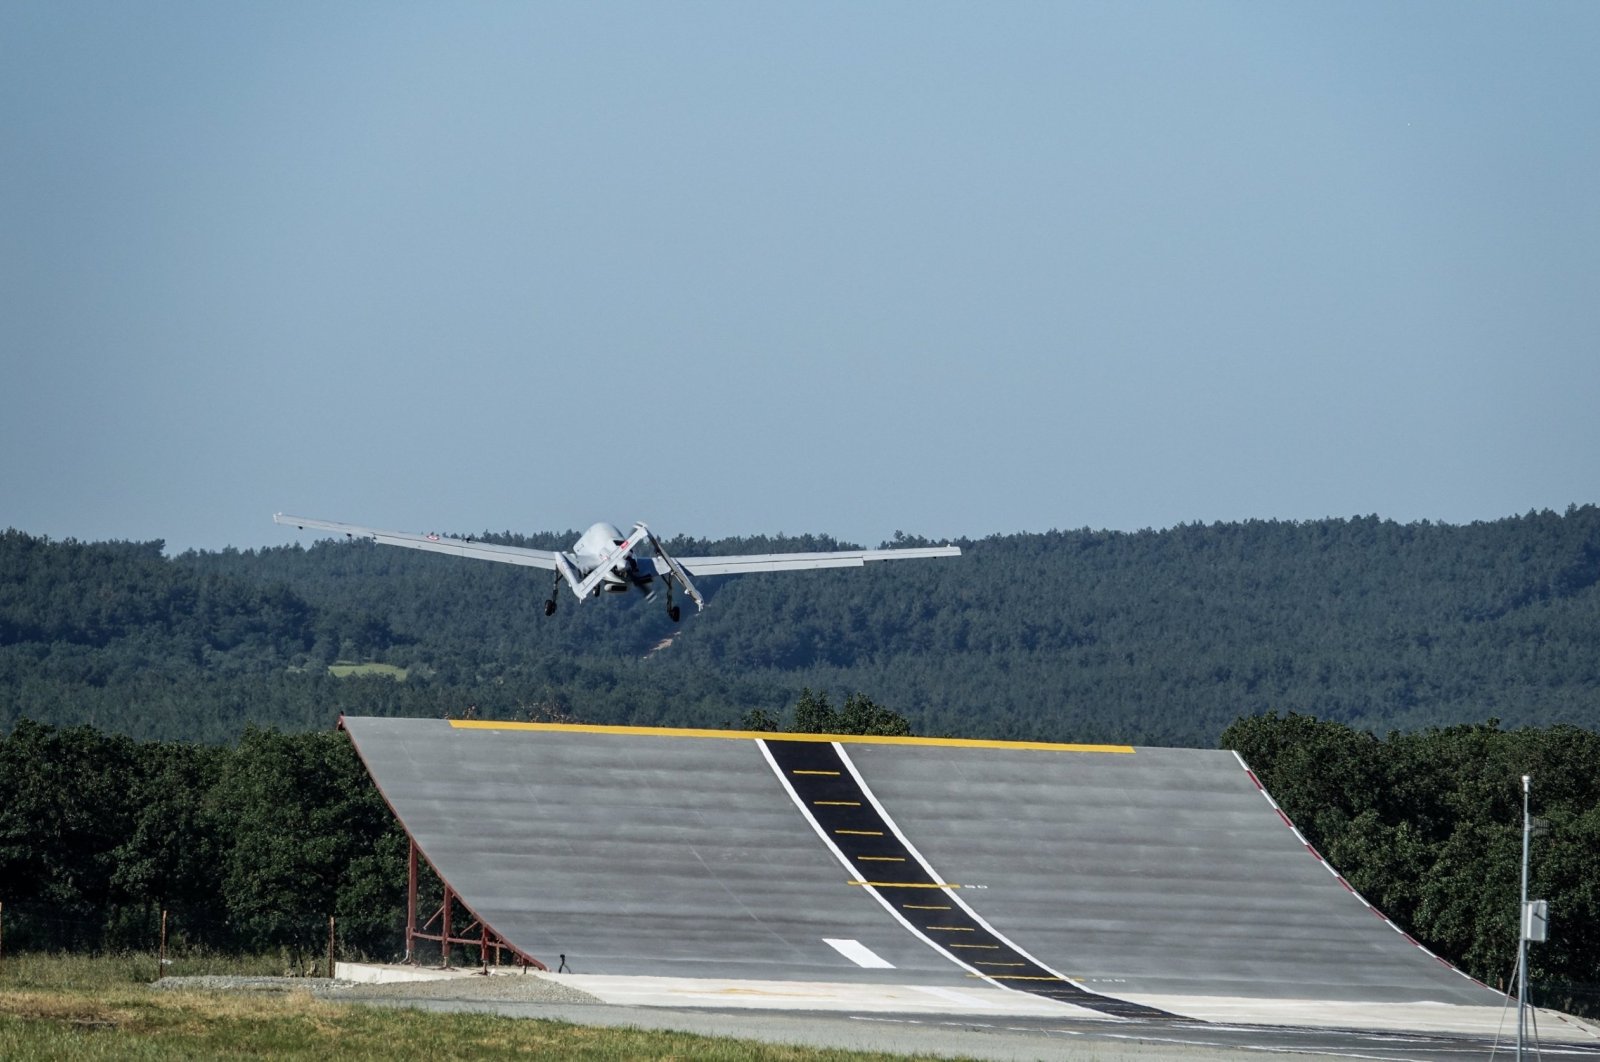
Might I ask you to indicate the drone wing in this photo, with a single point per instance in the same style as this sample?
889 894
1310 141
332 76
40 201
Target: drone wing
457 547
787 562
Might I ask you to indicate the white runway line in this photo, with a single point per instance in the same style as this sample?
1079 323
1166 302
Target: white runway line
859 954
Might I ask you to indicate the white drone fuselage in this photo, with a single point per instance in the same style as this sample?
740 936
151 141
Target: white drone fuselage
590 551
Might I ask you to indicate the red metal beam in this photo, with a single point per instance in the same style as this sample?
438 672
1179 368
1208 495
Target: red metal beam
484 939
411 901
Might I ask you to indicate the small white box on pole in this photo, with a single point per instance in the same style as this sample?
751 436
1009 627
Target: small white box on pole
1536 921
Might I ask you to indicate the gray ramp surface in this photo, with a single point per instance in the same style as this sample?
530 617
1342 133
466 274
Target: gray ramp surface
684 853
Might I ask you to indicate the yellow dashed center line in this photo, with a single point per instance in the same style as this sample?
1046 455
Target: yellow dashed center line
951 929
882 859
926 906
830 774
977 947
1013 964
1017 977
904 884
836 803
861 833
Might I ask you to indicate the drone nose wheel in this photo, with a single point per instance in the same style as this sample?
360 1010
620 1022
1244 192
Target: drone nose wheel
550 607
673 613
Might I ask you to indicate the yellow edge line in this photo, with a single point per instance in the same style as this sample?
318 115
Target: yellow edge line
745 735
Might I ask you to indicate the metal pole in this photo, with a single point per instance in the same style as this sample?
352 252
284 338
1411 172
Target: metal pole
161 951
1522 937
330 947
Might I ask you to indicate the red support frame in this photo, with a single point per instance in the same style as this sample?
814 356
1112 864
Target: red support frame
485 939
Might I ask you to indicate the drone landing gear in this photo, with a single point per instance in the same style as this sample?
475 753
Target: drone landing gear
672 610
550 602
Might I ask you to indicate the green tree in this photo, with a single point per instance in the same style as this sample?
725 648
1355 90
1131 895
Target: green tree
760 719
170 859
861 715
310 839
814 715
63 813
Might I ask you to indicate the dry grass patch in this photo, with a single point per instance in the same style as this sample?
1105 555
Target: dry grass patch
93 1010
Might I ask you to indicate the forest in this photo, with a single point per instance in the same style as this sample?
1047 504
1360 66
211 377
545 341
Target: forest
1151 637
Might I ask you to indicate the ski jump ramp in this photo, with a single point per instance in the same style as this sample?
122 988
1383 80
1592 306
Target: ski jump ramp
1127 882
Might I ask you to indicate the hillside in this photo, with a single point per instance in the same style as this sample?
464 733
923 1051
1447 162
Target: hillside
1148 637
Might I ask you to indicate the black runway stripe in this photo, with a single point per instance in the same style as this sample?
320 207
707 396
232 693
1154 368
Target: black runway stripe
836 802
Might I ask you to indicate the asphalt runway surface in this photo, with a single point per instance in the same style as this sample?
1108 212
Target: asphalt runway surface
1143 899
1146 1040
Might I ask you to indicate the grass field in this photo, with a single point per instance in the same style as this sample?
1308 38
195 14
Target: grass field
75 1007
344 669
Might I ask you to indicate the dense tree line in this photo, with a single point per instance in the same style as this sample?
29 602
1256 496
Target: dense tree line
1427 826
249 848
814 713
1147 637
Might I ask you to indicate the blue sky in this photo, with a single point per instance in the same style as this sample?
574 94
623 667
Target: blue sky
736 268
